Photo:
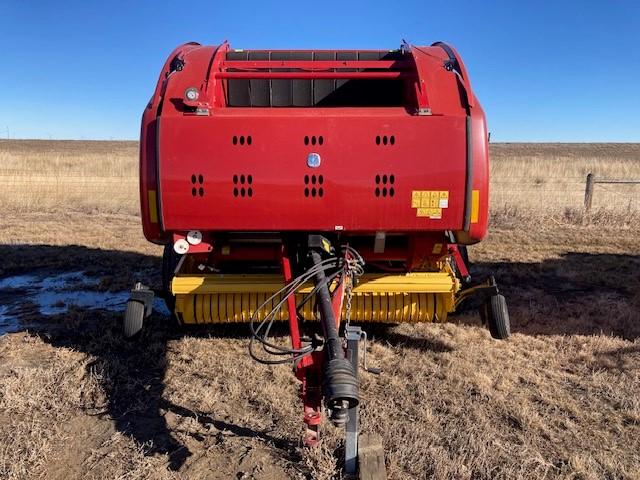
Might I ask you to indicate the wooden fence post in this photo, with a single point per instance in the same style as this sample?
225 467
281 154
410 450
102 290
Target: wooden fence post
588 191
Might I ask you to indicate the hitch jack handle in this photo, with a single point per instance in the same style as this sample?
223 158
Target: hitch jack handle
374 370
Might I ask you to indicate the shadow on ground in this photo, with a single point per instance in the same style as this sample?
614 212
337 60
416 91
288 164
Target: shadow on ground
132 371
575 294
578 293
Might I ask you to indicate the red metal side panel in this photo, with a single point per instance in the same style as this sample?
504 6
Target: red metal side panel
478 228
148 185
148 168
440 85
199 161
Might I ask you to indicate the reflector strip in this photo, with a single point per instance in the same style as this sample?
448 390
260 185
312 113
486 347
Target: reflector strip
475 205
153 206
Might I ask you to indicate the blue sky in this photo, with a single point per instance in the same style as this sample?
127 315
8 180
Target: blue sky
566 71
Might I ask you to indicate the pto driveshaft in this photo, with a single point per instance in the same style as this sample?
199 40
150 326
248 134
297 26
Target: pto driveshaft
340 383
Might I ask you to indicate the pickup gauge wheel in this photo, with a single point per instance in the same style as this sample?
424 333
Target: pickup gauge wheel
497 316
133 319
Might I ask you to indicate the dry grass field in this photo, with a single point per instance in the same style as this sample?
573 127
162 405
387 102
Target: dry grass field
546 183
559 399
80 176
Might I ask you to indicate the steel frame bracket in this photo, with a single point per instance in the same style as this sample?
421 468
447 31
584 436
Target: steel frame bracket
311 393
482 292
462 267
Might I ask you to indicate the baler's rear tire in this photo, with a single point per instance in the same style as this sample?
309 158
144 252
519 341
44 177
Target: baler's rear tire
133 318
497 315
170 261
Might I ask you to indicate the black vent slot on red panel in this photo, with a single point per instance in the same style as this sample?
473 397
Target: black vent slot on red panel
197 185
242 140
313 140
242 185
384 185
385 140
313 186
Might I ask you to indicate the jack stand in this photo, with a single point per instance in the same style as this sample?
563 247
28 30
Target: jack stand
352 334
351 449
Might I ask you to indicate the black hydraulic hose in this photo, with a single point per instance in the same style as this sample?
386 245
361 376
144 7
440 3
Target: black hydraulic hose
310 295
332 339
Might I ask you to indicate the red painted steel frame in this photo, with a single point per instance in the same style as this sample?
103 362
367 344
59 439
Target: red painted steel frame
308 369
311 393
310 75
317 65
285 265
462 267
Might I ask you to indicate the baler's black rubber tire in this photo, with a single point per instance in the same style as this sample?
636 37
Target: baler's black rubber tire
170 261
133 319
498 317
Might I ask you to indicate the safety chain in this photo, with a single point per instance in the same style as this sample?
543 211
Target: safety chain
347 288
353 268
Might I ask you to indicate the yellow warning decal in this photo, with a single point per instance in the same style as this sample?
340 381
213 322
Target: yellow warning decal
415 199
429 203
437 248
475 205
435 199
430 212
153 206
444 199
326 245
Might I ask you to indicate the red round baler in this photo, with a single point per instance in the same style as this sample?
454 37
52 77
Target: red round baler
318 187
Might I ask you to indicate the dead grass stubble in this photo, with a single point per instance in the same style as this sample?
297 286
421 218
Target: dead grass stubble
49 400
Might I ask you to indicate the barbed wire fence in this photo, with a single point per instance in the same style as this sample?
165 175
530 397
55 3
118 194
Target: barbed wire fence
559 192
39 190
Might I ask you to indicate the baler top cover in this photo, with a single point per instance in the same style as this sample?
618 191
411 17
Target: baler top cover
347 141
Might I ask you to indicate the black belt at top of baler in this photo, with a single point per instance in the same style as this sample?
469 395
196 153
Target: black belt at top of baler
314 93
